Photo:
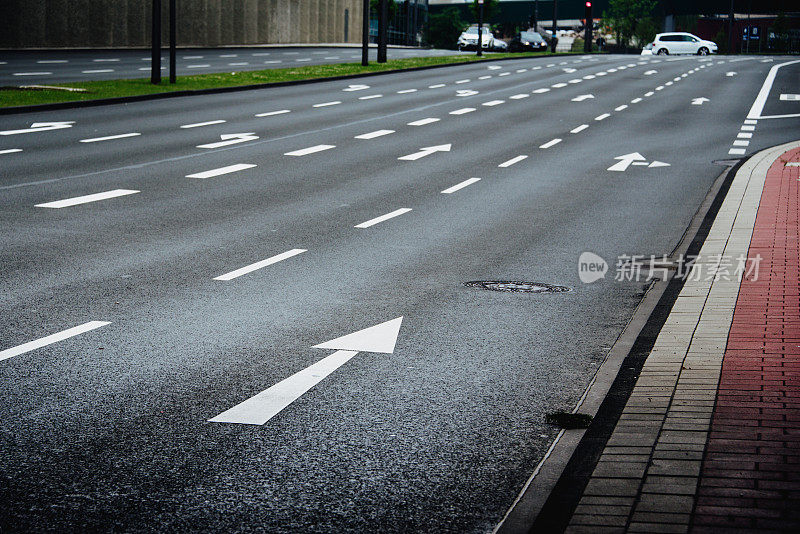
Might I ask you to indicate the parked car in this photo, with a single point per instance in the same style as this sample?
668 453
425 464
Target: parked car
679 43
469 39
499 45
527 41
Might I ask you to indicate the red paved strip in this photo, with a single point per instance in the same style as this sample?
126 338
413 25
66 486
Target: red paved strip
750 478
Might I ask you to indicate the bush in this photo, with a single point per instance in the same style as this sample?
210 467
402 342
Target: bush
443 29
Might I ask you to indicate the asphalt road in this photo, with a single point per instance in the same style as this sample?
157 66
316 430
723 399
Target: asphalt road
60 66
108 429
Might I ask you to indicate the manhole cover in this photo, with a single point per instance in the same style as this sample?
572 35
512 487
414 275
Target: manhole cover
519 287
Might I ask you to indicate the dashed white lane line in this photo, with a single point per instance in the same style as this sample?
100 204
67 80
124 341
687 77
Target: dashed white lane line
200 124
550 143
373 135
369 97
649 93
406 91
331 57
32 73
10 150
558 85
382 218
272 62
603 116
519 96
67 202
492 103
519 71
260 264
484 77
744 135
437 85
575 80
750 121
512 161
461 185
737 151
326 104
110 137
579 129
741 142
189 57
228 55
52 338
45 61
748 128
203 66
589 77
110 60
458 82
423 122
222 170
240 64
636 100
620 108
504 74
310 150
495 67
271 113
540 91
659 88
602 73
303 60
462 111
96 71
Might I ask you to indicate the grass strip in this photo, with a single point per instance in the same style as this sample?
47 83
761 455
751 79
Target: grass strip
13 96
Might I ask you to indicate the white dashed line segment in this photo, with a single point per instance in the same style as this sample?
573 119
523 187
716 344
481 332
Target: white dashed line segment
49 340
461 185
382 218
260 264
67 202
222 170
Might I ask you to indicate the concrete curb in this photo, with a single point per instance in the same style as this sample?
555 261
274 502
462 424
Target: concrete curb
219 90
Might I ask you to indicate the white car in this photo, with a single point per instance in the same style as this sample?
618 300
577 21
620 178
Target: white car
469 39
679 43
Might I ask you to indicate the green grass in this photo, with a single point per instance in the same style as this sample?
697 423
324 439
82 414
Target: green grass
11 96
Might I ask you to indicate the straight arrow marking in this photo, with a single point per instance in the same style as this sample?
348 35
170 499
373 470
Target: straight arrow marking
699 101
625 161
426 152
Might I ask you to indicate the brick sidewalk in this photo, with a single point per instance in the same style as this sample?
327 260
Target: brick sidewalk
709 439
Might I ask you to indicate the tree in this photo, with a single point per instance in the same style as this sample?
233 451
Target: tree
374 7
442 30
490 7
624 16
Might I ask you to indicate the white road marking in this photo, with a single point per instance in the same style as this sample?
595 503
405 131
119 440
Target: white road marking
603 116
492 103
331 57
238 64
741 142
466 92
659 88
303 60
540 91
750 121
44 61
537 68
589 77
40 127
519 96
581 98
484 77
373 135
326 104
636 100
462 111
230 139
199 124
273 61
204 66
550 143
792 164
405 91
369 97
558 85
668 84
700 101
52 338
519 71
260 264
495 67
744 135
382 218
603 73
620 108
229 55
110 137
310 150
437 85
676 79
271 113
113 60
579 129
737 151
512 161
67 202
31 73
10 150
458 82
575 80
649 93
222 170
551 65
461 185
423 122
189 57
790 97
504 74
611 70
748 128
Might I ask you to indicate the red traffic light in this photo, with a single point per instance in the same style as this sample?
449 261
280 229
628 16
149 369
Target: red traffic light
588 4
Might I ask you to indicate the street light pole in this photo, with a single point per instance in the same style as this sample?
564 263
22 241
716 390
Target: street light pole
365 35
155 57
383 29
172 45
480 27
555 27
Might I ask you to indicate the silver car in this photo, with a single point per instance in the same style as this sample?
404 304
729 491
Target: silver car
469 39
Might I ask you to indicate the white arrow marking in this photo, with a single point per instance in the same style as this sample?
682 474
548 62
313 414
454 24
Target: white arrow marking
261 408
427 151
40 127
731 73
466 92
356 87
625 161
49 340
231 139
658 164
699 101
569 70
581 98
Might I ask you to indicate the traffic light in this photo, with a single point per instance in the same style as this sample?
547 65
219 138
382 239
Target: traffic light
587 30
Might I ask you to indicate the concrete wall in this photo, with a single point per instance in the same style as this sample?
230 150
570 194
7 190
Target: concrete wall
126 23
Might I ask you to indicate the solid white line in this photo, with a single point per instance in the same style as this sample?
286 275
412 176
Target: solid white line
109 138
382 218
222 170
519 96
405 91
550 143
603 116
271 113
309 150
96 71
461 185
423 122
494 103
462 111
512 161
373 135
49 340
369 97
579 129
10 151
437 85
260 408
761 99
620 108
325 104
260 264
199 124
67 202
